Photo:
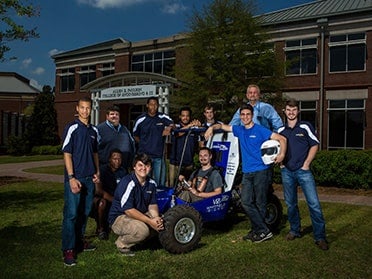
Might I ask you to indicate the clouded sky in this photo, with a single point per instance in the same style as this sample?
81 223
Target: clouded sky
65 25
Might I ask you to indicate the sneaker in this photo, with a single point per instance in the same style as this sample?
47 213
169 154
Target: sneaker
126 252
69 258
88 247
290 236
103 236
249 236
322 244
257 238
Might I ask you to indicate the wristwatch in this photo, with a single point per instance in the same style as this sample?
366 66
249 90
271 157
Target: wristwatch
70 176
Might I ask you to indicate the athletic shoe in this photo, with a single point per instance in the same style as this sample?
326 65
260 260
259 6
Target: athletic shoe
126 252
103 236
257 238
249 236
69 258
88 247
322 244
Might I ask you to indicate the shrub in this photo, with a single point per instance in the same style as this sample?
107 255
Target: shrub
47 150
18 145
340 168
344 168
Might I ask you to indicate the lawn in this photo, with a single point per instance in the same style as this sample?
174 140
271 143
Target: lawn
30 239
6 159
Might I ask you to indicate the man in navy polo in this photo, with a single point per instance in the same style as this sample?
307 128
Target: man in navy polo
81 172
134 213
149 132
302 145
184 145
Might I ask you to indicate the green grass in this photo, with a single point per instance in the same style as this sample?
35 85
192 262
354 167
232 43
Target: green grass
30 239
48 170
6 159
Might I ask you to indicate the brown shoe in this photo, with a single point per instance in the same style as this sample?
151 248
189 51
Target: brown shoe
291 236
322 244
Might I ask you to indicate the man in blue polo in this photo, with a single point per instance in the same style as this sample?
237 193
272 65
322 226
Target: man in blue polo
264 113
301 150
134 213
255 172
149 132
81 172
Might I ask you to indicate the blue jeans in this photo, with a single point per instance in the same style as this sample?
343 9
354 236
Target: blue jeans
158 171
254 198
306 180
76 210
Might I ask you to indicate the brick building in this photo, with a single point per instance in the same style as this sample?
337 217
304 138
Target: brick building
325 43
16 94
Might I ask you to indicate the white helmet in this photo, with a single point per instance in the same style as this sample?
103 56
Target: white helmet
269 150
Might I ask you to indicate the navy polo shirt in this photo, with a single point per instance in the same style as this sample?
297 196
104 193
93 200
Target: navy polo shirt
150 129
131 194
110 179
80 140
178 143
299 140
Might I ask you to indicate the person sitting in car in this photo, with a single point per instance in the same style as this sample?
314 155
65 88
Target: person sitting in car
204 182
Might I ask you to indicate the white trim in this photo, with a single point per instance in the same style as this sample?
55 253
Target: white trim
347 94
302 95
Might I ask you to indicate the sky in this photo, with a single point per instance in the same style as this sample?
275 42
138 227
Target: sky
71 24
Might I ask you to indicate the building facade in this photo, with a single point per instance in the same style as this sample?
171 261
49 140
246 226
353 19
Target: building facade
325 45
16 94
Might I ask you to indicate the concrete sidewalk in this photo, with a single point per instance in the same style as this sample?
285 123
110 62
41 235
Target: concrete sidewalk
17 169
338 198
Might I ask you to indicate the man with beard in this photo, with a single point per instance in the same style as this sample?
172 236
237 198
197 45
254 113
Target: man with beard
204 182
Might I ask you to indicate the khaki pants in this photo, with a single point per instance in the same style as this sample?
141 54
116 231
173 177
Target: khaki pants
189 197
130 231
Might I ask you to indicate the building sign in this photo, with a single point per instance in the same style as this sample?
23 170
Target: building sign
128 92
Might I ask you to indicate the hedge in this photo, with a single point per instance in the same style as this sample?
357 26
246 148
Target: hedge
341 168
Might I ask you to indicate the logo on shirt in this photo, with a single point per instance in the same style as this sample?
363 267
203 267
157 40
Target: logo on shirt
300 135
159 124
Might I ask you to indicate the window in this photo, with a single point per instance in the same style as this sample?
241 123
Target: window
67 80
308 112
87 74
301 56
346 124
347 52
158 62
108 69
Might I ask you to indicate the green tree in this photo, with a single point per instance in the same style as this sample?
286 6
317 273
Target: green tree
42 128
10 30
226 50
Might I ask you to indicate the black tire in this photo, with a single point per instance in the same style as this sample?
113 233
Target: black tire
182 229
274 212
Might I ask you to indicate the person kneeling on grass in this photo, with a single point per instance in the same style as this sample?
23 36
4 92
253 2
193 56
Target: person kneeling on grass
110 176
134 214
204 182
